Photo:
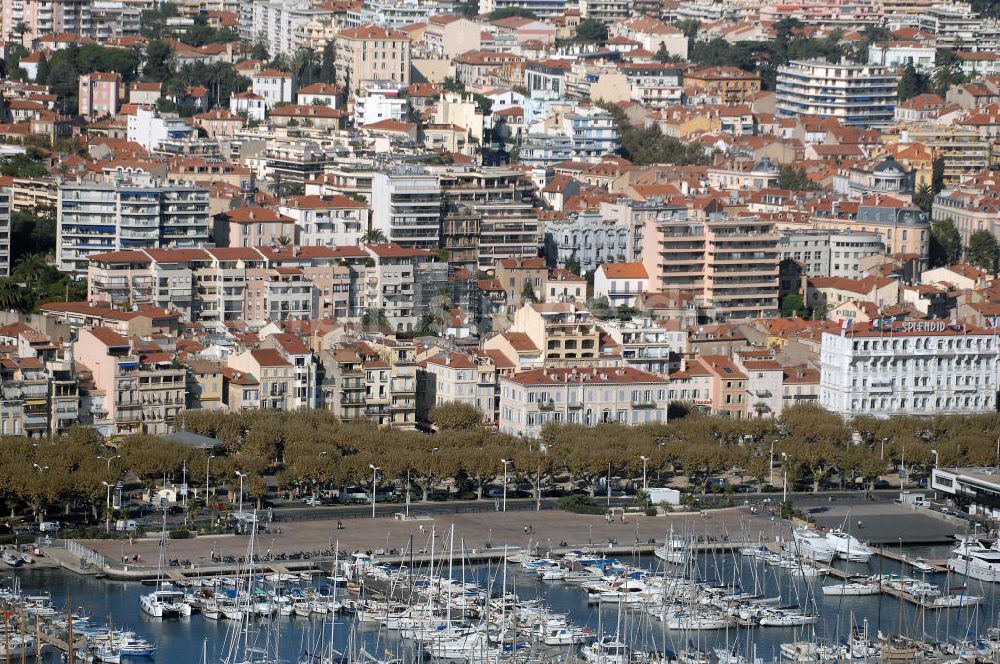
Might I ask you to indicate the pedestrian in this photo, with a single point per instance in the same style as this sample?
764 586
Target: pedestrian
859 523
421 528
526 530
623 517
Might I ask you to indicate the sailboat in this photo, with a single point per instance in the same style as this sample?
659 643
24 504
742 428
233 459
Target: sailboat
165 601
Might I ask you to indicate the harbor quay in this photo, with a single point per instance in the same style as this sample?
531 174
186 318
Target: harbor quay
485 536
479 536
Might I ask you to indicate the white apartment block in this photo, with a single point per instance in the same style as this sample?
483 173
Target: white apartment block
276 23
928 367
276 87
94 218
530 399
406 206
332 221
862 95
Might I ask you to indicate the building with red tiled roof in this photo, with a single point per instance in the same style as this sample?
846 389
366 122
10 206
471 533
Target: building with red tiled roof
624 395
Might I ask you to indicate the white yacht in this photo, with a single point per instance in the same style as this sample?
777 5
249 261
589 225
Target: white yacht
165 603
812 544
970 558
848 547
852 588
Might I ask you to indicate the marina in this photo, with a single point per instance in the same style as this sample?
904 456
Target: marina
681 598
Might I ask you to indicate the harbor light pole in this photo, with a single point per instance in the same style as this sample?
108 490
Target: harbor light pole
241 476
107 509
375 470
644 460
784 481
109 459
505 464
208 467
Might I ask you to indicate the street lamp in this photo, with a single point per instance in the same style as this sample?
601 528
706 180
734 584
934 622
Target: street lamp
934 452
241 476
107 509
784 481
109 459
505 464
644 460
375 470
41 469
208 464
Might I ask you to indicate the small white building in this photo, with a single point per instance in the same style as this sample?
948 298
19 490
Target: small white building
531 399
333 221
148 129
896 54
253 105
929 367
322 94
621 283
380 105
274 86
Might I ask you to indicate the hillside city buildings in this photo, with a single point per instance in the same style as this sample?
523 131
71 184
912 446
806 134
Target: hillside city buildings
439 205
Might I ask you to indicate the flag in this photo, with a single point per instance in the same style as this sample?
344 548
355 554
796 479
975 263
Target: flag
845 325
877 324
888 322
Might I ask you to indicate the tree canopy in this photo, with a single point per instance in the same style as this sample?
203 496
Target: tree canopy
983 251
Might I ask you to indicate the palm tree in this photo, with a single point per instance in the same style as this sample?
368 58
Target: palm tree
10 294
30 269
374 236
284 240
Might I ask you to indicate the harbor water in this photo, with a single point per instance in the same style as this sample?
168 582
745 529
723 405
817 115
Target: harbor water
190 639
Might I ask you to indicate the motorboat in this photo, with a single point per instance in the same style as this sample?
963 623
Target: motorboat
848 547
164 603
970 558
607 650
780 618
12 558
565 635
812 544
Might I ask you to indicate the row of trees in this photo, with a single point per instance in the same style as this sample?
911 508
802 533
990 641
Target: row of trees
311 450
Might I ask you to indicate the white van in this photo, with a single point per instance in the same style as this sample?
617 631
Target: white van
126 525
49 526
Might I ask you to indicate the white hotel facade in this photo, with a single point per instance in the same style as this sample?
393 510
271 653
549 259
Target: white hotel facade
919 367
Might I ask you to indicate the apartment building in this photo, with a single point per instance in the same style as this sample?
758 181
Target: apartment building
531 399
621 283
406 206
390 286
819 253
98 94
303 387
503 205
731 85
274 375
39 18
903 227
566 332
863 95
540 8
6 207
274 86
963 150
453 377
343 385
372 53
652 346
95 218
333 221
253 227
278 23
391 396
134 391
930 366
731 264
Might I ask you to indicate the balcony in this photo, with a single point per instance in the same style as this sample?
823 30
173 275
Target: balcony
546 405
643 402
